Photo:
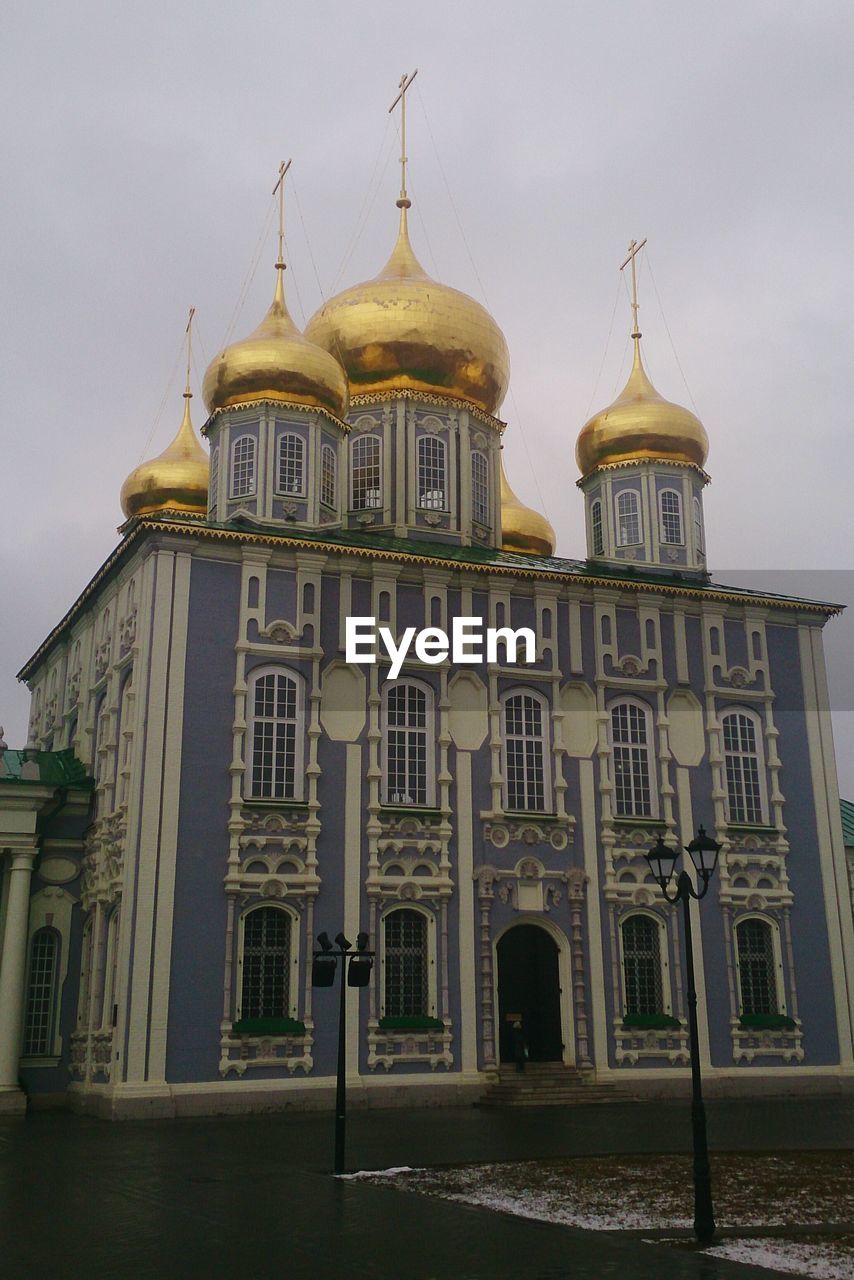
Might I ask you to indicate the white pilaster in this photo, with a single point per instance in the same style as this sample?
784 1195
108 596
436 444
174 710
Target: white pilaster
13 965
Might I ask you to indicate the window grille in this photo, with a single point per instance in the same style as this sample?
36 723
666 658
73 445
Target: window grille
405 969
642 965
596 526
366 473
479 488
432 474
328 475
698 526
38 1018
632 773
756 967
628 519
291 472
670 507
741 755
213 484
275 725
266 964
408 734
525 753
243 467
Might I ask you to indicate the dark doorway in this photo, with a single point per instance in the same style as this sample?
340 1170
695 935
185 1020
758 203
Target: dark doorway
529 987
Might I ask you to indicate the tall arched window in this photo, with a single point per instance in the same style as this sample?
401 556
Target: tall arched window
243 467
276 735
479 487
366 486
628 519
328 476
41 993
265 989
756 967
125 742
698 527
432 474
641 937
406 987
213 482
111 974
631 740
290 472
742 757
597 539
409 743
525 740
670 517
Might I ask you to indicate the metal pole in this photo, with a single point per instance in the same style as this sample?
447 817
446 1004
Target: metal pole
341 1083
704 1213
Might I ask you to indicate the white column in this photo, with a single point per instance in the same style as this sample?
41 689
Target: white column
13 965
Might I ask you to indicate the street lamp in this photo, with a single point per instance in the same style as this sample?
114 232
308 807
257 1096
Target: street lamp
703 852
324 966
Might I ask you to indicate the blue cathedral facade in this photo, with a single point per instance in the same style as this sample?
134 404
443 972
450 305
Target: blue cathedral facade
209 783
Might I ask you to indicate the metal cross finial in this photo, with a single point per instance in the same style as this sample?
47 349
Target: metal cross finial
189 332
405 81
279 189
634 250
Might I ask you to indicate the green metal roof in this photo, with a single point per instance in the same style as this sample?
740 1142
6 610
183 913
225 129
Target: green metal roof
56 768
847 808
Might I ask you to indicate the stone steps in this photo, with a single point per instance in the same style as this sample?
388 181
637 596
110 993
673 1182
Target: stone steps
547 1084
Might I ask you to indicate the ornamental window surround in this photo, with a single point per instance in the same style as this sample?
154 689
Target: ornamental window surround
366 490
290 468
671 532
744 767
406 964
328 476
597 540
628 518
634 773
432 474
274 769
698 527
243 479
525 754
409 745
643 970
40 1011
757 963
479 487
267 961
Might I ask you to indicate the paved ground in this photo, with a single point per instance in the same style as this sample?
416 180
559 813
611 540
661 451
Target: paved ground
252 1198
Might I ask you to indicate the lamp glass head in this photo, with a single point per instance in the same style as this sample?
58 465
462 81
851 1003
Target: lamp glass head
703 851
661 861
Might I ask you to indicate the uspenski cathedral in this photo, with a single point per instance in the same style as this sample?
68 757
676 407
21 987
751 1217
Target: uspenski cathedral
208 784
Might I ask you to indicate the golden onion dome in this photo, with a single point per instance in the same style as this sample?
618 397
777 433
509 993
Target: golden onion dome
176 480
641 424
276 362
403 330
522 528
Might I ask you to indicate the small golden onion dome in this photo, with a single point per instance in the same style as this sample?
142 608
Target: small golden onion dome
641 424
276 362
404 330
176 481
523 529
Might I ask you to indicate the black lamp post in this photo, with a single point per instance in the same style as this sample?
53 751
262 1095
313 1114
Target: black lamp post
358 975
703 852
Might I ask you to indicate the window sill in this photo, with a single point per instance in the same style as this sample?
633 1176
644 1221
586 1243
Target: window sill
45 1061
753 828
270 801
268 1027
651 1022
414 1023
639 820
541 815
417 810
766 1022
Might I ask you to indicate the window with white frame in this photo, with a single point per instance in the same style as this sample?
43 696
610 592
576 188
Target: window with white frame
756 966
125 741
631 740
290 471
670 517
243 467
406 986
742 760
598 537
643 989
408 743
265 989
479 487
328 476
525 741
110 986
698 527
628 518
213 483
41 994
276 735
366 490
432 473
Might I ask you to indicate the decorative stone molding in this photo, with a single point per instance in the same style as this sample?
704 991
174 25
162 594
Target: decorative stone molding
748 1044
428 1046
633 1045
240 1053
103 860
500 833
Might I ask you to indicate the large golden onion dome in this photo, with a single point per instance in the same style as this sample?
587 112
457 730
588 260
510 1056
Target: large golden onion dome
641 424
404 330
276 362
176 480
522 528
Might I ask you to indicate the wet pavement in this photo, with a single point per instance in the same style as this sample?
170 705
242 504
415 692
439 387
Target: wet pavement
252 1197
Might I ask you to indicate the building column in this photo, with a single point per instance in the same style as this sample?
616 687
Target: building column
13 966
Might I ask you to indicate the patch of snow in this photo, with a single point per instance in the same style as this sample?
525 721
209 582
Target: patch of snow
816 1259
378 1173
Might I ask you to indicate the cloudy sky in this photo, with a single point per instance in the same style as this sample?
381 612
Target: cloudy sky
139 152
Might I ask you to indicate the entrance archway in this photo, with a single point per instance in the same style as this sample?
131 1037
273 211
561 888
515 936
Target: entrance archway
529 989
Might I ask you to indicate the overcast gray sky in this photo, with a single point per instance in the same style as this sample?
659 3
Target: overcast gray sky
139 152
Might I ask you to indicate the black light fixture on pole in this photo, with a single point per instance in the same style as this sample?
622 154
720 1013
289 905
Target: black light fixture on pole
323 970
703 851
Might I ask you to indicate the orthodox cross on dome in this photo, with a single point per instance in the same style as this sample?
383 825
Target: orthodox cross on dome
405 81
634 250
279 189
189 332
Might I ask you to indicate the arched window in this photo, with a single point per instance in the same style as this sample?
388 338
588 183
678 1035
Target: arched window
641 937
328 476
101 762
479 487
125 741
406 986
670 517
698 527
276 737
213 482
631 739
432 474
741 732
290 472
409 743
41 993
525 741
756 968
628 519
265 989
243 467
110 984
366 488
597 539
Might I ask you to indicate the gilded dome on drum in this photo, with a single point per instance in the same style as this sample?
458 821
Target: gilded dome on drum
522 528
176 480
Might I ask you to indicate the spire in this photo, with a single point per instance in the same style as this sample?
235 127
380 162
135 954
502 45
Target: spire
403 201
634 250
